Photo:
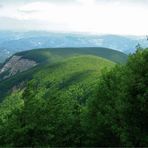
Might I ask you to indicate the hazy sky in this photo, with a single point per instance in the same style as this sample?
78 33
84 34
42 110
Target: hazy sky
93 16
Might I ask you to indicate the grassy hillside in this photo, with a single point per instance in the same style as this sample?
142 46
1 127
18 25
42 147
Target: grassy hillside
75 76
88 60
72 70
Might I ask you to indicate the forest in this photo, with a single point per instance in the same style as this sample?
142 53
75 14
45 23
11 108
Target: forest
103 109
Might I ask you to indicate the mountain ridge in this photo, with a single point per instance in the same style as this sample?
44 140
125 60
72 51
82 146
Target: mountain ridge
23 61
54 58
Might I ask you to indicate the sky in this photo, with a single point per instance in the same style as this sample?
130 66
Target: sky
124 17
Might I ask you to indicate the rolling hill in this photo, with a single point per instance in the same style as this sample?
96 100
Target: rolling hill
76 63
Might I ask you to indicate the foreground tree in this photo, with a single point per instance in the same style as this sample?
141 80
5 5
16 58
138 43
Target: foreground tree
118 114
135 113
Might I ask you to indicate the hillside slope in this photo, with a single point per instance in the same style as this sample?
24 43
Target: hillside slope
21 67
75 76
26 60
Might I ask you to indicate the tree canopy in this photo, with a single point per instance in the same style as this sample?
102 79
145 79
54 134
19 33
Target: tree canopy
114 113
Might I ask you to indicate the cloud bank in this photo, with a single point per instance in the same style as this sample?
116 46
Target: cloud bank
93 16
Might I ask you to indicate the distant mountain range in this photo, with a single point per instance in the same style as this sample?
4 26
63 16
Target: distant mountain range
12 42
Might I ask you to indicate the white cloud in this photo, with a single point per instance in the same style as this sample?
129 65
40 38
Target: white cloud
84 16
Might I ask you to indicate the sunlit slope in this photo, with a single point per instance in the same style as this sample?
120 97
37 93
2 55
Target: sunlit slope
77 71
74 78
73 70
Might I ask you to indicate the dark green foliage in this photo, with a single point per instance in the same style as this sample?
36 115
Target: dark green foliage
101 115
135 115
10 110
52 120
118 115
70 104
52 103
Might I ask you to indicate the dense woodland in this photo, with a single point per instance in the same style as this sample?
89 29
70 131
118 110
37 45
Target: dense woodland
111 112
